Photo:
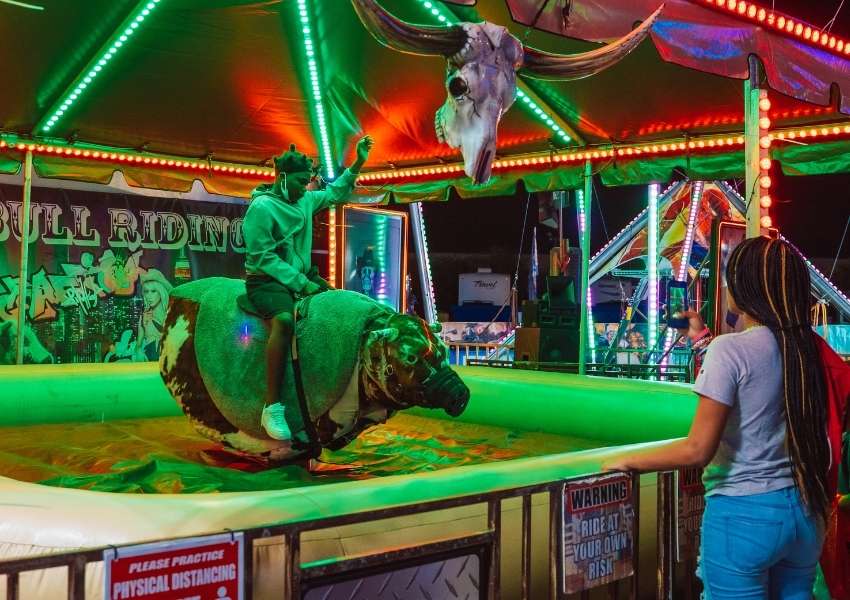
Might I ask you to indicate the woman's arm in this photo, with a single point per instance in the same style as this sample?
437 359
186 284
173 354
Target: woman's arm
696 450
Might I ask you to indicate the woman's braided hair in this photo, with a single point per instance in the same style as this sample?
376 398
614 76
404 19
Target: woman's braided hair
769 281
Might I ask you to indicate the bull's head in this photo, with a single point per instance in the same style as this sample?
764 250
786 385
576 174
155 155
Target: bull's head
483 60
405 364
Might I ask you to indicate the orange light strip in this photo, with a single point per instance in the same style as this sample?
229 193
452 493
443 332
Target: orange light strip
160 161
781 23
765 142
704 144
332 255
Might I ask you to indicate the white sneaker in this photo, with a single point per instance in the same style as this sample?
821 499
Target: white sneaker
274 422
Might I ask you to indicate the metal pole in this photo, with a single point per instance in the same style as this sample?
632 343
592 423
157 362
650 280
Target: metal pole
665 537
752 149
585 268
555 533
526 547
494 524
23 275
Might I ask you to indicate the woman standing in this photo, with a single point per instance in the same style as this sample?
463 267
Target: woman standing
760 431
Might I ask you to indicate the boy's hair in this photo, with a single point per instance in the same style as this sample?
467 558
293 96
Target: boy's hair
292 161
769 281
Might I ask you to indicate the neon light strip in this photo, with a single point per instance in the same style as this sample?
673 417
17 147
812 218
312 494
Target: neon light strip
10 142
106 154
332 246
582 226
538 111
420 242
104 55
688 246
765 141
652 267
316 88
701 145
382 259
783 23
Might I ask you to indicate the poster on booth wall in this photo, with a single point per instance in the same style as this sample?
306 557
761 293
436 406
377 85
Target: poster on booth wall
375 254
598 534
201 568
102 266
690 504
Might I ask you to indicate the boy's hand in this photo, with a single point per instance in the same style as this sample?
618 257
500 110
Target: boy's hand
363 147
311 288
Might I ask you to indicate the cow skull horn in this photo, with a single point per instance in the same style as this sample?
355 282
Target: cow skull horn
543 65
398 35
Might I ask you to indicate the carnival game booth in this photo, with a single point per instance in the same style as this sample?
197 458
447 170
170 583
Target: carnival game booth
183 96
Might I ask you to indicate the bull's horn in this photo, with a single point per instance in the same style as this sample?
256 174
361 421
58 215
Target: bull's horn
542 65
406 37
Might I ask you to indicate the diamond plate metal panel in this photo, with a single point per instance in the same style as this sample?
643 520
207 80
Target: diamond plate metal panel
452 579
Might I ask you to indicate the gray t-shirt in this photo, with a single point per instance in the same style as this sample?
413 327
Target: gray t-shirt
744 371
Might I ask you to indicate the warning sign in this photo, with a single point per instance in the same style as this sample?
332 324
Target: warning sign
598 531
690 504
201 568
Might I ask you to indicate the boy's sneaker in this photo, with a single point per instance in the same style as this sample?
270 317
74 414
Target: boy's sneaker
274 422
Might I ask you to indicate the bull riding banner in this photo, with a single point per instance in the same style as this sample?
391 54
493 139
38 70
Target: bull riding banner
101 267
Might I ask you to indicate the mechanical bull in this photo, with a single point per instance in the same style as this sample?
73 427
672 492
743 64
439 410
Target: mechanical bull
354 363
483 60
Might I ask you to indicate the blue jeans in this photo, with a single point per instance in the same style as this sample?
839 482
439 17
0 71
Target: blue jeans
759 547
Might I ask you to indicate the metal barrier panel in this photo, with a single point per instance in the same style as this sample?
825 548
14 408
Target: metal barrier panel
462 567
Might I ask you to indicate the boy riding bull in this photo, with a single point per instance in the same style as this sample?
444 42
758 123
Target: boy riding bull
278 231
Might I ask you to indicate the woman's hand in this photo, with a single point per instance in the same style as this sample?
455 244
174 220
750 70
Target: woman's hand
695 324
618 463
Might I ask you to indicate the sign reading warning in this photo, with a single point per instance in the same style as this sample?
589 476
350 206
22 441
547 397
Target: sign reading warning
202 568
598 531
690 504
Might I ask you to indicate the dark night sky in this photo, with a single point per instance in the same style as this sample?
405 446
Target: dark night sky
810 211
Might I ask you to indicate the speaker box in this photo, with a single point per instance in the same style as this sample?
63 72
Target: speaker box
535 344
530 313
566 318
561 292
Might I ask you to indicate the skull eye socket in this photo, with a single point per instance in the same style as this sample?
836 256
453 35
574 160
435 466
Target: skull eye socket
458 86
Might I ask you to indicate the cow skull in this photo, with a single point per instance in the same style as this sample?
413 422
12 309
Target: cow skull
483 60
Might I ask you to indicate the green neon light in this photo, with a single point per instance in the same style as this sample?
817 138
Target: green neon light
316 89
538 111
582 223
85 80
652 267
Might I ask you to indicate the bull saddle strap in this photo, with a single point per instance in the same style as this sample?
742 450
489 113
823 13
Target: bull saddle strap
313 448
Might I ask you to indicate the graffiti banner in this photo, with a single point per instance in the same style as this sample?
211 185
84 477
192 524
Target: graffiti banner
101 267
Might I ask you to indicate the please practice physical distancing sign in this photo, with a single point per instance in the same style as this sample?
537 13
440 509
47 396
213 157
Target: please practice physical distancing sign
201 568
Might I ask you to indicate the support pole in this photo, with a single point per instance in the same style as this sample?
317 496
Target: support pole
23 275
420 244
584 220
752 147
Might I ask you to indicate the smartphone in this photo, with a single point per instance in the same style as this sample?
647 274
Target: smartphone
677 304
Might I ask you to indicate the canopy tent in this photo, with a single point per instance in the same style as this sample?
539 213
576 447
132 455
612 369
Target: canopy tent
211 89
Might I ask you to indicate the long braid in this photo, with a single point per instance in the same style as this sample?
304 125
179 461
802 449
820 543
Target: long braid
769 281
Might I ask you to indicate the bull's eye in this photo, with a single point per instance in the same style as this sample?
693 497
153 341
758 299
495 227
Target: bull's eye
457 86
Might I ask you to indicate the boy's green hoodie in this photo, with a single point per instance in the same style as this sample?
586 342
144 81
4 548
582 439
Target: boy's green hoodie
279 234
